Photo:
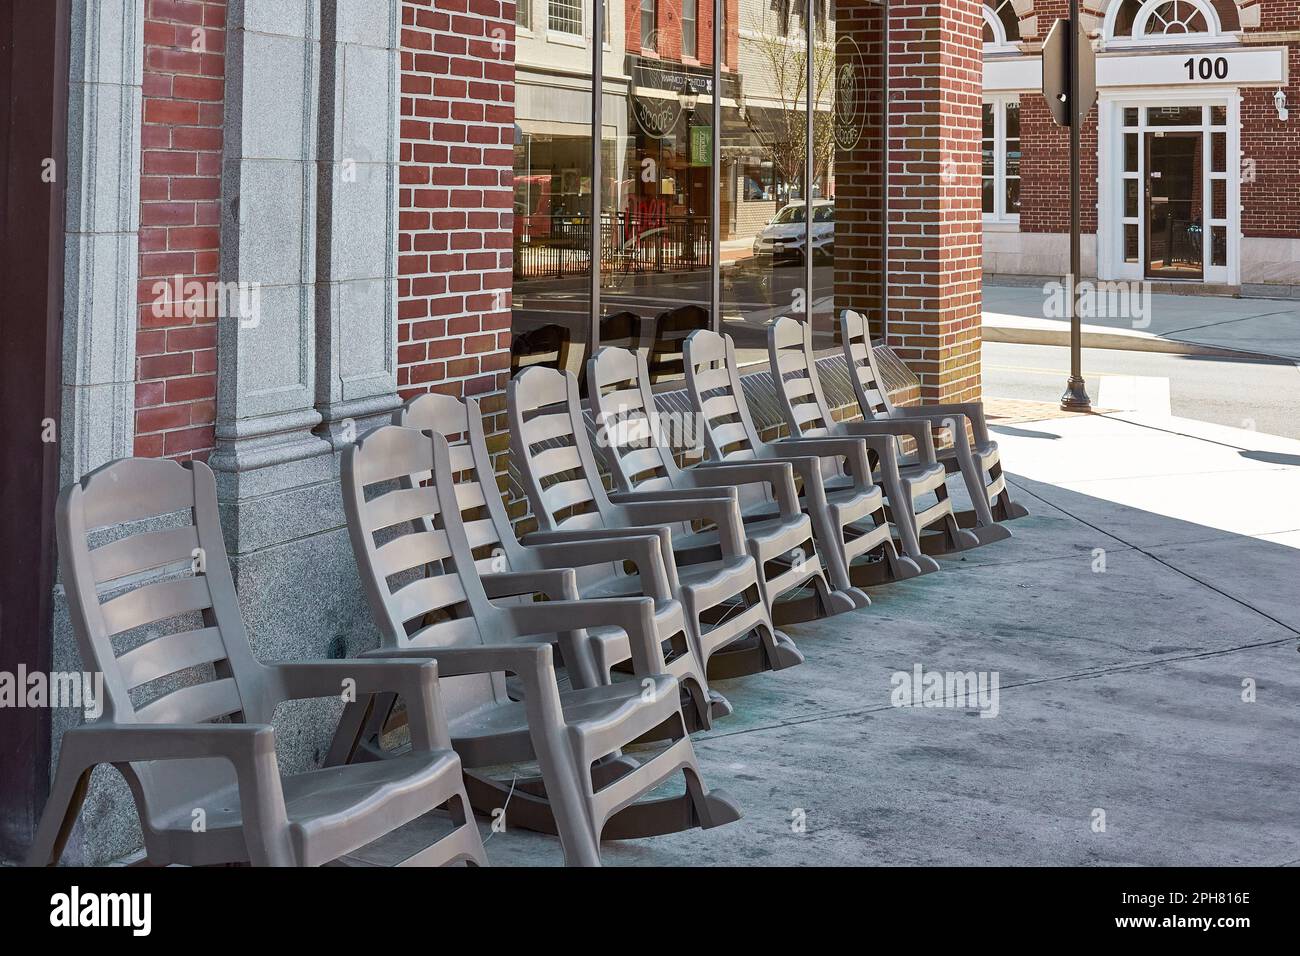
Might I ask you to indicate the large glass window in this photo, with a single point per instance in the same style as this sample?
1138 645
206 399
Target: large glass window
657 208
708 194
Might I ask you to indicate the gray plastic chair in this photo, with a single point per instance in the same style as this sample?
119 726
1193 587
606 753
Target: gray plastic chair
849 522
558 567
907 481
969 450
728 623
429 601
639 453
165 693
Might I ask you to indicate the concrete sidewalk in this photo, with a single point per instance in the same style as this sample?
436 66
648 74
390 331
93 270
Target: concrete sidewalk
1159 569
1182 324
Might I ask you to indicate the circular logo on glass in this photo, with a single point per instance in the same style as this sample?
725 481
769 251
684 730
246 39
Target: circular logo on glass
655 88
850 92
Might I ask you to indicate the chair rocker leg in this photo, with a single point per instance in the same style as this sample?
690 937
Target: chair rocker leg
1004 509
697 807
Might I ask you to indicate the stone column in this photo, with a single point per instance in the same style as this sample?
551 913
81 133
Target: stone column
101 248
356 250
935 229
266 384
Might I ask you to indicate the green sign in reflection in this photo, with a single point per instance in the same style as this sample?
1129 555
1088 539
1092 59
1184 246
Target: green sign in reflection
701 145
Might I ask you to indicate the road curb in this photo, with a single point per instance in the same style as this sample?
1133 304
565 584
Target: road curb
1109 339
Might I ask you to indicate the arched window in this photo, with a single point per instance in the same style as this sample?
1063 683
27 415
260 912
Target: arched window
1143 22
1001 25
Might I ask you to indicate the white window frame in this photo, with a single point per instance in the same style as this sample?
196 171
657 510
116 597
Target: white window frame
694 21
566 36
1001 42
999 101
1111 176
1215 35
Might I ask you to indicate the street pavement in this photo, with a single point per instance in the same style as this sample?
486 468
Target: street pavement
1263 394
1172 323
1142 625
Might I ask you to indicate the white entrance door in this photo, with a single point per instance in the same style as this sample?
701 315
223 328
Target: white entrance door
1169 205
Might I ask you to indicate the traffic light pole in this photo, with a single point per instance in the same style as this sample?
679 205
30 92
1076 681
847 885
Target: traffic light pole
1076 397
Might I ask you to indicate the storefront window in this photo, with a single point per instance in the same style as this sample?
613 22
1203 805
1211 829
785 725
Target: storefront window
709 194
657 205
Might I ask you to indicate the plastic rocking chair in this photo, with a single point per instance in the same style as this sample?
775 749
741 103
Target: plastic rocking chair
639 452
170 628
907 482
970 451
849 522
429 601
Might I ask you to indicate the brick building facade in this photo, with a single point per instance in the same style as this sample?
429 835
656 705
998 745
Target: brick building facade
282 219
1216 203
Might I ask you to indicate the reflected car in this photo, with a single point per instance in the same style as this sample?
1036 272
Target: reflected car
782 239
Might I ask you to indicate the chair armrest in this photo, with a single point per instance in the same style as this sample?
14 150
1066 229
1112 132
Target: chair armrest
250 748
851 451
103 742
415 680
722 511
636 616
646 551
669 494
557 583
532 661
974 411
917 429
777 475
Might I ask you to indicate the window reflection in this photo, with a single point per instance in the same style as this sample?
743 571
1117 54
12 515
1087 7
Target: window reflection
648 214
657 194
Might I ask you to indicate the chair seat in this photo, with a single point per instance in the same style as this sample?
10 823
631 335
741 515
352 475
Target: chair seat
761 528
620 712
336 810
705 575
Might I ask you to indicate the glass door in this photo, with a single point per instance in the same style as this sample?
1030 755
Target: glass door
1174 200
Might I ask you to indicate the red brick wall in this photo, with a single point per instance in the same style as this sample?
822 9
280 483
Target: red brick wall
670 30
936 76
180 190
1045 170
1271 203
859 177
457 159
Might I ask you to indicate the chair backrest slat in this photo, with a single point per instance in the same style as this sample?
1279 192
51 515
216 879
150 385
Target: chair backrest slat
147 551
552 449
151 603
713 382
195 704
638 449
855 336
794 371
167 655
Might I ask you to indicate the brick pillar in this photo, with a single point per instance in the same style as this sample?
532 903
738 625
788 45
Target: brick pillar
936 77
